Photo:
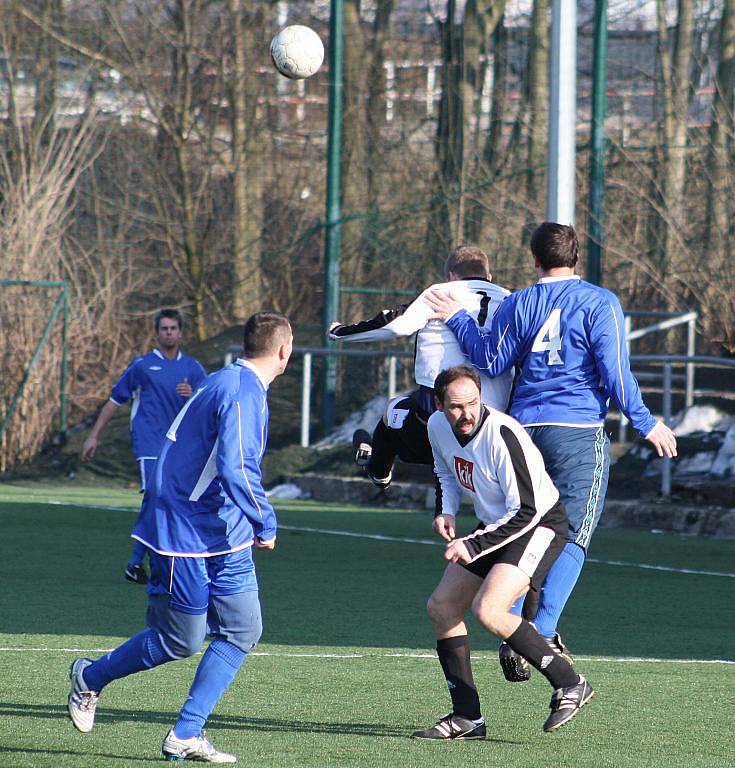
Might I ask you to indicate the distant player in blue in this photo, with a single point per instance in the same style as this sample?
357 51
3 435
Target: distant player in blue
158 384
204 511
566 338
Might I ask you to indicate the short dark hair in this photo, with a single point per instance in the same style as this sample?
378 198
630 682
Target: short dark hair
264 332
555 245
448 375
169 314
467 260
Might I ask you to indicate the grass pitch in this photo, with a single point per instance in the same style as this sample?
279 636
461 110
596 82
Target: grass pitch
346 669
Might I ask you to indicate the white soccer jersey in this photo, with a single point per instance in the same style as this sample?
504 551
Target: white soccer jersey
501 470
436 346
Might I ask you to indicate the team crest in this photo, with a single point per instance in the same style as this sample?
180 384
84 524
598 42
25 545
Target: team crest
463 469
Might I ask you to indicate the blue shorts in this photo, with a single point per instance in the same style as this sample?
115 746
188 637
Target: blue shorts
578 461
145 468
189 597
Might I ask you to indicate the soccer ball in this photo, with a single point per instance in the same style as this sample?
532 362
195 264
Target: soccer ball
297 51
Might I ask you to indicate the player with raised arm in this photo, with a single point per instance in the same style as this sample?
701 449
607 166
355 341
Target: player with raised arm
202 514
521 530
566 338
402 430
157 386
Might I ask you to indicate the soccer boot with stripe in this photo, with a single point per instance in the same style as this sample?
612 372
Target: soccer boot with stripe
557 645
136 574
82 702
362 447
197 749
566 702
515 668
453 726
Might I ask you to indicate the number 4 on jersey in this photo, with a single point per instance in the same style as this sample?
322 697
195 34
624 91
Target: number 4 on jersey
548 339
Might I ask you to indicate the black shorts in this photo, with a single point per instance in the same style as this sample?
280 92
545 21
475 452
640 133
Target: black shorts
409 436
534 552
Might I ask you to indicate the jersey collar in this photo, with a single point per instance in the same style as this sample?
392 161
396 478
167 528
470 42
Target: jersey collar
558 279
247 364
163 357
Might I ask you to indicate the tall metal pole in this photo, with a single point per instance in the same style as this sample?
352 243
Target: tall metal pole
560 187
333 212
596 230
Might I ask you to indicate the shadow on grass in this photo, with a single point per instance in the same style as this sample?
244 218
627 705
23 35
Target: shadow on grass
258 724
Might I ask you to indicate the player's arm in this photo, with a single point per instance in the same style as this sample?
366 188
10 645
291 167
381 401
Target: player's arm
493 351
403 320
122 391
451 494
90 444
607 335
239 451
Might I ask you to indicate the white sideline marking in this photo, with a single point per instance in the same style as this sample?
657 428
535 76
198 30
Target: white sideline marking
427 542
431 656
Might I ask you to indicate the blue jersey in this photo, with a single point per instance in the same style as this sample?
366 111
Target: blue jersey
566 337
206 496
150 382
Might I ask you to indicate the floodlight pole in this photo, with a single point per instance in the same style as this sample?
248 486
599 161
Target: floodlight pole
560 184
333 217
596 232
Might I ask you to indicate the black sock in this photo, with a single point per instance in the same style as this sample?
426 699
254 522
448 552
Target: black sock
383 455
527 642
454 656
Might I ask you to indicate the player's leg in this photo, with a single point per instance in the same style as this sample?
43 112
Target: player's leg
134 570
177 625
234 621
446 607
524 561
578 461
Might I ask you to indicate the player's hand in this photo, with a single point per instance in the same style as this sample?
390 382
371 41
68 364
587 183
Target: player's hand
89 448
260 544
443 305
183 388
663 440
456 552
444 526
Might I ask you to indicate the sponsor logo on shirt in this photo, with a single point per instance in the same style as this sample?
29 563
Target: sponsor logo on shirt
155 368
463 469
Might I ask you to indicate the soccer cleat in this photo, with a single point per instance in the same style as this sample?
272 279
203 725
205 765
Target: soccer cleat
515 668
566 702
82 702
453 726
362 447
197 748
136 574
557 645
381 482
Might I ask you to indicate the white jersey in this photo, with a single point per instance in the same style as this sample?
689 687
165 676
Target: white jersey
500 469
436 346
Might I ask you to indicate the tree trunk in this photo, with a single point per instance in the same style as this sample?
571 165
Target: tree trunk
538 107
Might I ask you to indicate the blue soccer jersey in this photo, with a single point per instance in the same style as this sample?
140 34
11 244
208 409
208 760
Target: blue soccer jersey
150 382
206 496
566 338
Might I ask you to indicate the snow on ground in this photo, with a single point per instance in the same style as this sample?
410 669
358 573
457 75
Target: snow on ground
364 418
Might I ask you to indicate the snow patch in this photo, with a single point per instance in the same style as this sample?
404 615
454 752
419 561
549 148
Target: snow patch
698 418
364 418
286 491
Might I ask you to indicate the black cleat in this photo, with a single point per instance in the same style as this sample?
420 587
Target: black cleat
136 574
362 447
515 668
566 702
557 645
453 727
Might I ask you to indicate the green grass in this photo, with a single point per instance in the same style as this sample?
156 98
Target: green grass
346 668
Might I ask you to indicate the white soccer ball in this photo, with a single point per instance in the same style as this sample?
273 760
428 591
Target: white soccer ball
297 51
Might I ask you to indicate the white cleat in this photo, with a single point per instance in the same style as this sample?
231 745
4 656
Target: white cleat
82 702
198 748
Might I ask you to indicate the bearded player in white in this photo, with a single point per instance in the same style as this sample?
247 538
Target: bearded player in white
522 528
402 430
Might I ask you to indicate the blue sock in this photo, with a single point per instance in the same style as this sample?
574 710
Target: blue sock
142 651
138 553
557 588
215 672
